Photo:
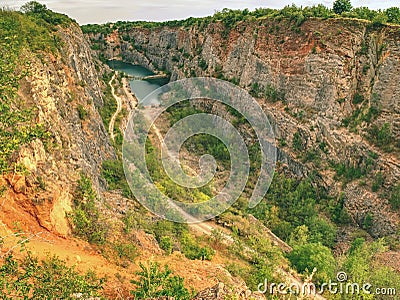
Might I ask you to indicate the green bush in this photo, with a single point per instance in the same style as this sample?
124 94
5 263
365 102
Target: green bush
113 173
395 197
86 216
49 278
166 244
381 137
339 213
203 64
126 251
362 13
322 230
258 273
154 282
273 94
309 256
358 98
297 142
348 172
192 250
82 113
290 203
378 182
368 221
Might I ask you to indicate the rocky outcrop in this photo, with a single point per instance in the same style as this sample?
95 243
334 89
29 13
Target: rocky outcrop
65 90
310 79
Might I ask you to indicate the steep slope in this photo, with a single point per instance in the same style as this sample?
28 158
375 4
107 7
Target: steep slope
63 88
296 76
330 88
60 83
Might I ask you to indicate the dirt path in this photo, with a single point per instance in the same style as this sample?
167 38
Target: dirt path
119 108
131 98
208 228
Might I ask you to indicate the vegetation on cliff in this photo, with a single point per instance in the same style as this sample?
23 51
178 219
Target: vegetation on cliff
230 17
297 210
20 35
50 278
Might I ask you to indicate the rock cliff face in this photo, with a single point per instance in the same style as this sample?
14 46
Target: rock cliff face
66 90
311 80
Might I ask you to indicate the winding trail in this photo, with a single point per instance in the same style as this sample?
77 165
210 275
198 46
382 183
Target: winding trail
207 228
131 98
119 108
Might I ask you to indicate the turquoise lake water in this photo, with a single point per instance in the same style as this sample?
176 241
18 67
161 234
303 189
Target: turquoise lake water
141 88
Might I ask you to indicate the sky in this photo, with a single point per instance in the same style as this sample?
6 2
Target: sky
101 11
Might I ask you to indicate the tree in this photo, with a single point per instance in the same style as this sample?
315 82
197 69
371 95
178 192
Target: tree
341 6
393 15
40 11
33 7
313 255
299 236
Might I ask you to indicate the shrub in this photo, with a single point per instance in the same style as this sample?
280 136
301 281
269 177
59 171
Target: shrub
113 173
309 256
363 13
49 278
255 89
86 217
203 64
166 244
289 204
339 213
368 221
381 137
349 172
192 250
82 112
378 182
297 142
154 282
379 19
126 251
322 230
259 272
395 197
360 264
358 98
273 94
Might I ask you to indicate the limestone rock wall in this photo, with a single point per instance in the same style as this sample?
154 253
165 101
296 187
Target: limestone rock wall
58 85
326 71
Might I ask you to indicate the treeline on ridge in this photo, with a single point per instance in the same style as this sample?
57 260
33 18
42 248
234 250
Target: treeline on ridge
230 17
